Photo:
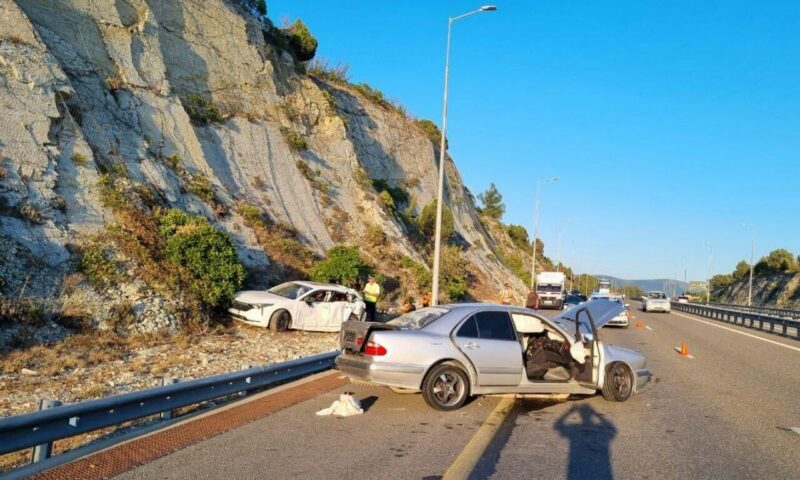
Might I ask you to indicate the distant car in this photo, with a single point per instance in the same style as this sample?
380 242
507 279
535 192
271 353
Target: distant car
622 319
299 305
656 301
454 351
573 300
683 299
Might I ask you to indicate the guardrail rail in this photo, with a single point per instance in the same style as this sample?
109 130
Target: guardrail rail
786 327
40 429
775 311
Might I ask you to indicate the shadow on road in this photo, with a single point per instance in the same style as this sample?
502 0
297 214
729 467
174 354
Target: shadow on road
590 436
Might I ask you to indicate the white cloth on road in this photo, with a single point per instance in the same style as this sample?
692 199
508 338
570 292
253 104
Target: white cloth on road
344 407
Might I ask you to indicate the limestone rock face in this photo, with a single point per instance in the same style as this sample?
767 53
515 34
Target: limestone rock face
86 85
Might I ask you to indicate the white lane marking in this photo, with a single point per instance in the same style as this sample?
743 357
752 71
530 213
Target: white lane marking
688 355
740 333
795 430
648 327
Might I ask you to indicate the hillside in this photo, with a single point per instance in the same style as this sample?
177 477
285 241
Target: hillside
648 285
116 113
773 289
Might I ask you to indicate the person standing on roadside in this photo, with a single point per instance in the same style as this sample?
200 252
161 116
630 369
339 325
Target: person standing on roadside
532 301
372 291
507 294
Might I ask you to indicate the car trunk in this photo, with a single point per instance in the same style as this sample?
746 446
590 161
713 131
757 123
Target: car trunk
355 334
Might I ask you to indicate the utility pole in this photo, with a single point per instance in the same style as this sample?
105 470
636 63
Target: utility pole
752 259
536 225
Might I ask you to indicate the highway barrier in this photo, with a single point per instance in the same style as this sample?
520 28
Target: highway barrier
786 327
774 311
54 421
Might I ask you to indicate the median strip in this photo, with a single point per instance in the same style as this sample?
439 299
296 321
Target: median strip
126 456
472 453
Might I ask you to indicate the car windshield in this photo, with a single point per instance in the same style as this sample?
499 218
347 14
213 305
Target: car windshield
573 298
549 288
289 290
657 295
418 319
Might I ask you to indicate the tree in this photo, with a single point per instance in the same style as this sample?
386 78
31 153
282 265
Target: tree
742 269
427 221
342 264
453 272
519 235
303 44
779 260
492 201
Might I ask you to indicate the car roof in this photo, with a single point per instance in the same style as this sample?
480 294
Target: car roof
330 286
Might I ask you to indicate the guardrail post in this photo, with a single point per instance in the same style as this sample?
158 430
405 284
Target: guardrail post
245 366
43 451
167 414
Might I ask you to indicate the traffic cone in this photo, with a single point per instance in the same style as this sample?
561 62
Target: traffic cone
639 324
684 350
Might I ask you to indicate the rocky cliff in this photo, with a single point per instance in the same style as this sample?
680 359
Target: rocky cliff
769 289
197 109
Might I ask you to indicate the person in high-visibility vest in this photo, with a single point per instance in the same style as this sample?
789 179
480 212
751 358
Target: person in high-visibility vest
372 291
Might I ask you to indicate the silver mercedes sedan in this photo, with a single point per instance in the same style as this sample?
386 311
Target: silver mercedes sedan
454 351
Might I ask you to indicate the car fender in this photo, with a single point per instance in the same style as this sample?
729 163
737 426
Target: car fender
465 365
631 358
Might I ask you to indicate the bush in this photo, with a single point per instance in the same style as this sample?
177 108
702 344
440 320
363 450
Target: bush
427 221
79 159
453 273
207 253
375 236
200 185
98 266
362 178
377 97
431 131
251 214
519 235
398 194
201 111
302 43
422 276
343 265
31 213
742 270
333 73
779 260
296 142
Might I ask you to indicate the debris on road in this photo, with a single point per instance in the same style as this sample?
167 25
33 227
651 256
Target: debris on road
344 407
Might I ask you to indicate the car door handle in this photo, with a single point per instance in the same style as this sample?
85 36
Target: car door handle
471 345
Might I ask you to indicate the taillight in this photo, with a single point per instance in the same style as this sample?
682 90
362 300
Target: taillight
359 341
373 348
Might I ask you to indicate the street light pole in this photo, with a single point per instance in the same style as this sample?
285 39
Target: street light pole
539 184
752 259
442 154
708 278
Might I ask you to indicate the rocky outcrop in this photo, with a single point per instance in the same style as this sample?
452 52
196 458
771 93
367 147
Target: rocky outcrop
88 86
769 289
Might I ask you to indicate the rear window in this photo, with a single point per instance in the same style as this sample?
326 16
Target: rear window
418 318
657 295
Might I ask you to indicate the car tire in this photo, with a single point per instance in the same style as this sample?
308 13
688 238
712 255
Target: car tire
619 382
446 387
280 321
403 391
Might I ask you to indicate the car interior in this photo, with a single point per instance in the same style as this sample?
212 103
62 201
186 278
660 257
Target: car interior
547 355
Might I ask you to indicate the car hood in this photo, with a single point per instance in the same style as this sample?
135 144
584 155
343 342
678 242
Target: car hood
258 297
602 312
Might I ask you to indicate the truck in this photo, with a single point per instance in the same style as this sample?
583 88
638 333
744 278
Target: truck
550 289
604 287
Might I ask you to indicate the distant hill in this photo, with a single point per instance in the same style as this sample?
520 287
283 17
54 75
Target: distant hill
647 285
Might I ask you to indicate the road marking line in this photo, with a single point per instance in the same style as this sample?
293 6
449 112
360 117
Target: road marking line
740 333
465 462
688 355
648 327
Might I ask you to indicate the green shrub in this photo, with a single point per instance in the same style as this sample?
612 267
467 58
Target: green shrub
329 99
207 253
79 159
492 201
333 73
386 201
431 131
378 97
251 214
342 264
519 235
399 195
778 260
200 185
427 221
453 273
201 111
302 43
296 142
422 276
97 264
375 236
362 178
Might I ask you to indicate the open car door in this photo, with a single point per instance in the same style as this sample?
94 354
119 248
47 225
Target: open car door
583 322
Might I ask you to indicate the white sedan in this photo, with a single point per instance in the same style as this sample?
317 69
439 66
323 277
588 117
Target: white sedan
298 305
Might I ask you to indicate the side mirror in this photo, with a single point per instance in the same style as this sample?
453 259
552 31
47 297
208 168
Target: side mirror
587 337
309 300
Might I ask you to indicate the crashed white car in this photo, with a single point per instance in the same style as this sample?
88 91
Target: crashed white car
298 305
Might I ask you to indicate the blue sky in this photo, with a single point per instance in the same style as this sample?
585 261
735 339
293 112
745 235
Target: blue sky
669 124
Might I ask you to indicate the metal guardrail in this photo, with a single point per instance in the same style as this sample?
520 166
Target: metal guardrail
778 312
43 427
774 324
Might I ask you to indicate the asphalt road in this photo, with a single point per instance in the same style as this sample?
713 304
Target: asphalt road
725 413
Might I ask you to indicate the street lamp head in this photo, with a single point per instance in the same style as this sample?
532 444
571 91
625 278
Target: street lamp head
488 8
552 179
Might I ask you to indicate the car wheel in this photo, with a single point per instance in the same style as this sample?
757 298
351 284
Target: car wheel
618 385
280 321
401 390
445 387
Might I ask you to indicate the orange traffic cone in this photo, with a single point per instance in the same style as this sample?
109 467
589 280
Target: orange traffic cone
684 349
639 324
